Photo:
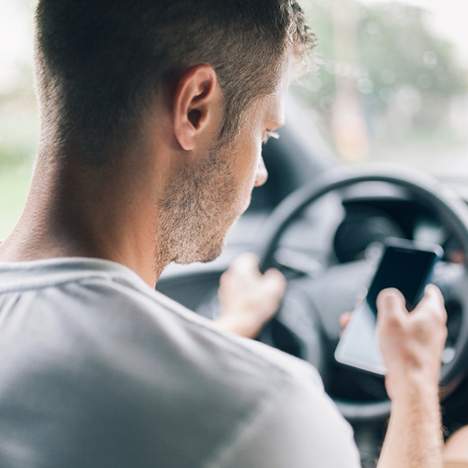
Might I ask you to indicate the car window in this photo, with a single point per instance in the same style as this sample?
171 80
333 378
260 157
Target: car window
18 110
389 82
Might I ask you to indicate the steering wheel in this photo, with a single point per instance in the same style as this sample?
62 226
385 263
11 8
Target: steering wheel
337 289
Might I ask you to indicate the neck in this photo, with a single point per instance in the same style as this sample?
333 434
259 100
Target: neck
78 211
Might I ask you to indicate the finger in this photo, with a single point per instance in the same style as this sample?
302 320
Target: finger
391 300
275 276
391 307
433 293
246 263
345 319
224 278
433 300
275 281
361 297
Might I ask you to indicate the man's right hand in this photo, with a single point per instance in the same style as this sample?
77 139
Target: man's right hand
411 343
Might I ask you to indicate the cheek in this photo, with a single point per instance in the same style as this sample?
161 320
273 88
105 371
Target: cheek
250 156
246 155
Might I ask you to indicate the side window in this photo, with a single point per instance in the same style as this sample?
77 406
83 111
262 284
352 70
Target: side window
18 110
390 82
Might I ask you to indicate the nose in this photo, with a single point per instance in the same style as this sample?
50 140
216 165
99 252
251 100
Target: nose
262 174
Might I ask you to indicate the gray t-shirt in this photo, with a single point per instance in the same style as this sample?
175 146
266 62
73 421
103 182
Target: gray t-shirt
98 370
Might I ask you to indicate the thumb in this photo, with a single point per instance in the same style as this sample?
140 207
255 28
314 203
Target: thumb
391 306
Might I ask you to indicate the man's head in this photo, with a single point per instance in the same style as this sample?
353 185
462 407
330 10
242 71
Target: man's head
195 85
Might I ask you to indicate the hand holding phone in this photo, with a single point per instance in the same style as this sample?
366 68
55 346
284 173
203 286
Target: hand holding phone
411 343
403 266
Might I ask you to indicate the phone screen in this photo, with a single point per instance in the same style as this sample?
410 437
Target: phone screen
404 268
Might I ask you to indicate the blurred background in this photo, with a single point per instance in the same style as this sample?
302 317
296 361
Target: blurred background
389 82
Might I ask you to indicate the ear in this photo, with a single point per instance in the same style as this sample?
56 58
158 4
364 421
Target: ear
196 105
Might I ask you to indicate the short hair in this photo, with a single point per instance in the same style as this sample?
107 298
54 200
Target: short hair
99 62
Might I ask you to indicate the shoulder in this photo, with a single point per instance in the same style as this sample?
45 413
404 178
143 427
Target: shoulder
132 358
270 407
157 313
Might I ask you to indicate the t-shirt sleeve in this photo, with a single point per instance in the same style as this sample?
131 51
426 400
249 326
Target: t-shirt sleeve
296 426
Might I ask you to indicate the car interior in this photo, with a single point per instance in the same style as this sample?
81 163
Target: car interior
321 223
374 148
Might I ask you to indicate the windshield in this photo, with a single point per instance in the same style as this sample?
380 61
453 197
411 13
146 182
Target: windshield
389 82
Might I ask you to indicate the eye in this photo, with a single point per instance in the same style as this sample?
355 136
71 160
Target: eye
270 134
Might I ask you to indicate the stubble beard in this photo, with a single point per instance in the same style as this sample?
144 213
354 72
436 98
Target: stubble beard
198 211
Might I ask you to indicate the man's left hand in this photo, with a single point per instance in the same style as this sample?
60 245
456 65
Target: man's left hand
249 299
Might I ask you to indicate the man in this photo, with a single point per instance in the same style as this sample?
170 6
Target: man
153 116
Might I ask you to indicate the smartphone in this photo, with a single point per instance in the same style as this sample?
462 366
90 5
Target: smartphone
403 265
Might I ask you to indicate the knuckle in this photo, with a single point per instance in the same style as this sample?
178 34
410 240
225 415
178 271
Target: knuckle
427 330
439 314
434 312
394 323
423 322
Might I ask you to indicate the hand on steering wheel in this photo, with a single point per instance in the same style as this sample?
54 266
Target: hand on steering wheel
248 299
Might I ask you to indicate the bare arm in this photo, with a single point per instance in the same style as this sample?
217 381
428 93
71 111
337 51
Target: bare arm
414 435
412 345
